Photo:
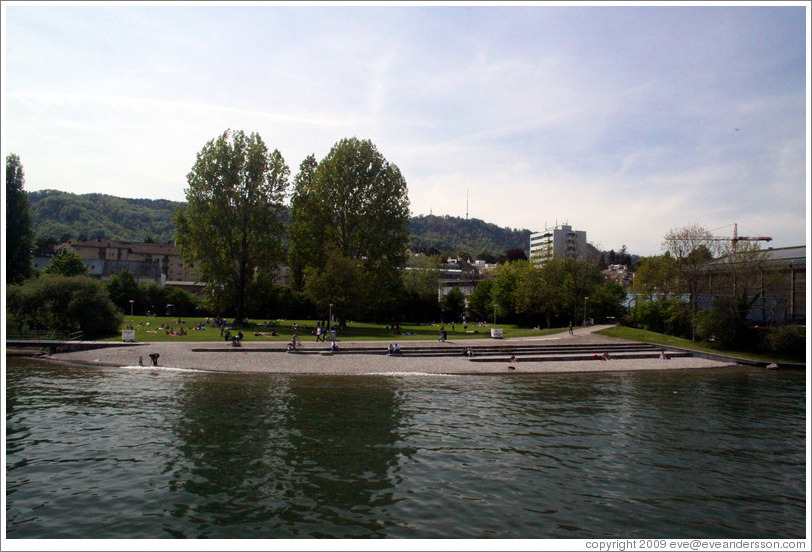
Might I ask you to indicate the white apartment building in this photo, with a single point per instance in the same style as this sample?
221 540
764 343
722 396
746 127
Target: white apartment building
559 241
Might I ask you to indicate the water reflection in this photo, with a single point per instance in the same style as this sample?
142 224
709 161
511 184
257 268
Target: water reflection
345 434
282 457
230 434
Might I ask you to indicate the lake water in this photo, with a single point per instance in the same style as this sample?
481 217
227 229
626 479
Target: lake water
156 453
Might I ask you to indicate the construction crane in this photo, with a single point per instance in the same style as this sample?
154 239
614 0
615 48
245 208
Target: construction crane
737 238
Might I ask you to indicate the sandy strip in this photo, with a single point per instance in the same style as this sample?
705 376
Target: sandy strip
255 357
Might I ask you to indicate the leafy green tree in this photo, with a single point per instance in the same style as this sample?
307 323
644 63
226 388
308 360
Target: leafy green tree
45 247
668 316
480 302
183 303
725 324
788 341
152 298
123 288
692 247
543 292
515 254
339 283
19 236
532 295
55 302
453 305
307 239
355 205
583 278
505 293
656 276
606 299
67 263
231 227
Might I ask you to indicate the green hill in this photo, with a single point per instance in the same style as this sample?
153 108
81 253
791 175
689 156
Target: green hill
477 238
58 216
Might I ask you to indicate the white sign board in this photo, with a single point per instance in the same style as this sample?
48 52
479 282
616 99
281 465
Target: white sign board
127 335
496 332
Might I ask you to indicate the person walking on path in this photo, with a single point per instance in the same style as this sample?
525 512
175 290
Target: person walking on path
571 327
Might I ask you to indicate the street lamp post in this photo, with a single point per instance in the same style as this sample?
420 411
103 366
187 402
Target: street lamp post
131 306
585 298
330 319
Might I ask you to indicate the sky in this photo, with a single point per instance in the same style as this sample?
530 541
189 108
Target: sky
622 121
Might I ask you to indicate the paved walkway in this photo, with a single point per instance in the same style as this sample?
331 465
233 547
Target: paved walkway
559 353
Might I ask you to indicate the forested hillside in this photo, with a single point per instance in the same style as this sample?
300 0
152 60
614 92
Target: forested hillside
58 216
475 237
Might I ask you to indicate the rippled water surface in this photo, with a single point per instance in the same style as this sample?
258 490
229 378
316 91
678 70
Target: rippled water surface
145 453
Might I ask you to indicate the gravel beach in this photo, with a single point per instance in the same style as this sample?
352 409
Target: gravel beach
371 358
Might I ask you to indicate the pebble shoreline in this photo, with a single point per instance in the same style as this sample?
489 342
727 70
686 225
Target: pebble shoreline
255 357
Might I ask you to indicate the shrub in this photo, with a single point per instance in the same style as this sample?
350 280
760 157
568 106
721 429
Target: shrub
62 303
785 341
664 316
725 325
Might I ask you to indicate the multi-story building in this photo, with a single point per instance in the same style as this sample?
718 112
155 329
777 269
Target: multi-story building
774 281
148 262
559 241
462 274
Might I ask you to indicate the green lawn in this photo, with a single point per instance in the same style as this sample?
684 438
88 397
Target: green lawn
151 329
633 334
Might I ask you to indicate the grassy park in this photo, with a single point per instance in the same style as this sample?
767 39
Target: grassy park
154 329
634 334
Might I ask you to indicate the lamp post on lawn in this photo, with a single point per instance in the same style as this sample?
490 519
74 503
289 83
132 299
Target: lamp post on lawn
585 298
330 318
131 307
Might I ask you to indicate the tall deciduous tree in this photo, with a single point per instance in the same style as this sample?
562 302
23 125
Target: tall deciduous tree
19 236
306 238
505 287
123 288
453 305
355 205
480 302
692 247
543 291
231 227
656 276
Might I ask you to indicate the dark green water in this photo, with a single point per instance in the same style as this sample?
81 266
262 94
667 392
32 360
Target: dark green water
143 453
